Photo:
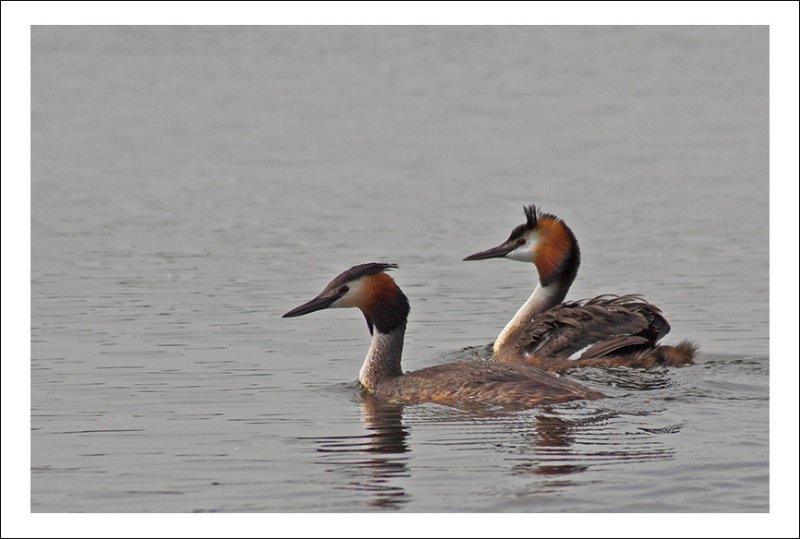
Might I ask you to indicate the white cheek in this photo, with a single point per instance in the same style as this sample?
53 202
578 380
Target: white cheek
353 296
523 253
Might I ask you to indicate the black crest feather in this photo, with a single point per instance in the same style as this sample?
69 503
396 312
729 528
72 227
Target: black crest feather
531 222
532 216
356 272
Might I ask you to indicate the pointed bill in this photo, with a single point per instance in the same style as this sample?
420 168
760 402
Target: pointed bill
495 252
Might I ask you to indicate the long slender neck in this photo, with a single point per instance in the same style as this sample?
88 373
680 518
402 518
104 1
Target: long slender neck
386 311
543 298
557 259
383 358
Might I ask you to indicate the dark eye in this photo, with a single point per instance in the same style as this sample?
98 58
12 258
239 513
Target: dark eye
343 289
521 241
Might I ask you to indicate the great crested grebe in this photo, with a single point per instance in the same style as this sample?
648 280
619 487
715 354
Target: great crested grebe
605 330
459 384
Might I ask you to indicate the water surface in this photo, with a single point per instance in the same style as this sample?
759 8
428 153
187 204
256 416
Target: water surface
190 185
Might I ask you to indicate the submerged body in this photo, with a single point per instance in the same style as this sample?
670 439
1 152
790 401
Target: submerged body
605 330
468 384
463 384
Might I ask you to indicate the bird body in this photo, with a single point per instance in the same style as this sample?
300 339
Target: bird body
462 384
605 330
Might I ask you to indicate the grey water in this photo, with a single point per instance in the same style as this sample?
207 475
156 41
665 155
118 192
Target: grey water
192 184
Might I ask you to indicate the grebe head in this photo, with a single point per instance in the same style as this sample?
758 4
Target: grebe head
544 240
368 288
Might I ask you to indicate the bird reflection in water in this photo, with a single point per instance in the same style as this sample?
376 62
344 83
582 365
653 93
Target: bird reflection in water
551 447
550 435
559 448
372 462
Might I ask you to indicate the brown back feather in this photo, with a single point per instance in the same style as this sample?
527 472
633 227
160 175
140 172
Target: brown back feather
608 324
485 383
